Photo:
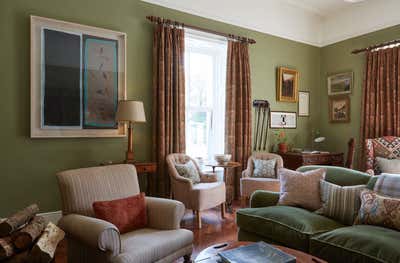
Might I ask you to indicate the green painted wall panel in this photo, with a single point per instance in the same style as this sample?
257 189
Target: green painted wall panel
337 58
28 166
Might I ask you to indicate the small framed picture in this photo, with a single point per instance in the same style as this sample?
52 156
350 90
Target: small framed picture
339 109
304 104
287 85
283 120
341 83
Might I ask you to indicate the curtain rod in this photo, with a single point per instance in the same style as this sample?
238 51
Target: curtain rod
160 20
356 51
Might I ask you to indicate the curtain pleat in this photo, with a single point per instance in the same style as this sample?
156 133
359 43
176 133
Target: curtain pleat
380 111
168 99
238 110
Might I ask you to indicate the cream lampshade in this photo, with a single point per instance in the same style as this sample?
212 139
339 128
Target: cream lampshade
130 111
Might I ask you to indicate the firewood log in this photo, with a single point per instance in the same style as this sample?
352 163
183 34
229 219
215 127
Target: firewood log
17 220
6 248
44 249
24 238
19 258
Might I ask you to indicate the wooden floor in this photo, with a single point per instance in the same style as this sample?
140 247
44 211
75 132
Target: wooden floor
214 230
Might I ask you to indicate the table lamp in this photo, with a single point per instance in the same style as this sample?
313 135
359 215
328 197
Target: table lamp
130 111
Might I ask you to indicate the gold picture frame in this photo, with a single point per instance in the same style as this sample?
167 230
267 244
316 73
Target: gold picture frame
339 109
287 88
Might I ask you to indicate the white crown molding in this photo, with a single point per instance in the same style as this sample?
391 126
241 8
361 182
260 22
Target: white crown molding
236 22
304 23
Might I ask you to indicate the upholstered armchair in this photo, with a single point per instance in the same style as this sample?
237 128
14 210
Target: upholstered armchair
249 184
94 240
385 147
207 194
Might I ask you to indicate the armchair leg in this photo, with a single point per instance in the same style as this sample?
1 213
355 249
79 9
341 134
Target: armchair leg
187 259
223 210
198 219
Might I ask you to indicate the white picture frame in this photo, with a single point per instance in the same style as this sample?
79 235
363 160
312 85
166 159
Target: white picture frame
304 104
38 130
283 120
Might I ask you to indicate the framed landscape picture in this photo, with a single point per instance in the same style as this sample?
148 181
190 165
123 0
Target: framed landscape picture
77 79
341 83
287 85
339 109
283 120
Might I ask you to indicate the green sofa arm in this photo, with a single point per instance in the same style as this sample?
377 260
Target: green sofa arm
261 198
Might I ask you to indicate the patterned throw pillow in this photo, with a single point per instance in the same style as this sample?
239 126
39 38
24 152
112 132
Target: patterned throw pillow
301 189
264 168
388 184
391 166
379 210
341 203
188 170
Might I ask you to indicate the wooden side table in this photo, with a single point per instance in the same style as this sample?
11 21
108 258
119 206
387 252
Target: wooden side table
229 180
147 169
292 160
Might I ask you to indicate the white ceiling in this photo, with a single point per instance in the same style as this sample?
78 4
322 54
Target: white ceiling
315 22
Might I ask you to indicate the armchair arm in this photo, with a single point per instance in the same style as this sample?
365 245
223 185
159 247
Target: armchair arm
261 198
208 177
94 232
164 213
246 173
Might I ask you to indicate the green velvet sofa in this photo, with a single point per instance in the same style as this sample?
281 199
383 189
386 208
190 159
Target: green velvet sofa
315 234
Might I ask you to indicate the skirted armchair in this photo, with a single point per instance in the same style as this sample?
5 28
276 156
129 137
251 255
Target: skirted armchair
249 184
207 194
94 240
385 147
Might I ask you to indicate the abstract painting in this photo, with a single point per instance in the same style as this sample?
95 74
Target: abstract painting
77 78
100 82
287 85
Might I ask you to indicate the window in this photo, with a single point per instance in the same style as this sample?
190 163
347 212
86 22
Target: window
205 69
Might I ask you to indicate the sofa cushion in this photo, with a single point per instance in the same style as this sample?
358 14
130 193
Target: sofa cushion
340 203
150 245
264 168
287 225
388 184
360 243
301 189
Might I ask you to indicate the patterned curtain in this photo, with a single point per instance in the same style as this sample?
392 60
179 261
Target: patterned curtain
380 114
168 98
238 109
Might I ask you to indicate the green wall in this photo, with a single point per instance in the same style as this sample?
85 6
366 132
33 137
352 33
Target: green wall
338 58
28 166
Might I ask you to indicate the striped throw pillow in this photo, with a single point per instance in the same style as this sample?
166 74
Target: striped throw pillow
340 202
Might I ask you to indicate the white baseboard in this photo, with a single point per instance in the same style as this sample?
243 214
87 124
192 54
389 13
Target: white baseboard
53 217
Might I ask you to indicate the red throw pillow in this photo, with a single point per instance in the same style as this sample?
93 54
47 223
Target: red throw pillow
126 214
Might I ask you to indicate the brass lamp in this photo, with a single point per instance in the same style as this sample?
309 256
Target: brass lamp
130 111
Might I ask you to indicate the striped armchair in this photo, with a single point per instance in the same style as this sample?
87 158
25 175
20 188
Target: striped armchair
94 240
385 147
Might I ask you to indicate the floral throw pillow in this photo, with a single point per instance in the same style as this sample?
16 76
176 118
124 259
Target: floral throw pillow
188 170
379 210
264 168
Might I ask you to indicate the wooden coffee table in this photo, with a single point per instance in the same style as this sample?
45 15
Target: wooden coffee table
209 255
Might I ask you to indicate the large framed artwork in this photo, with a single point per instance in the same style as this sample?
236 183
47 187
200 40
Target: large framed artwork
283 120
78 75
340 83
339 109
287 85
